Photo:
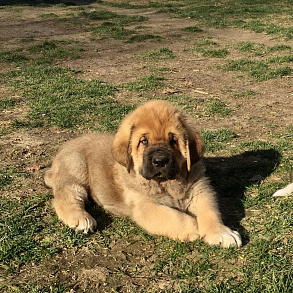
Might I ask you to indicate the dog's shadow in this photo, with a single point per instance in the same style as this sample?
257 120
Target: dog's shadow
231 176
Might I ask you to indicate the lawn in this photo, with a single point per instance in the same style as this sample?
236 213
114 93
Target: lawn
70 67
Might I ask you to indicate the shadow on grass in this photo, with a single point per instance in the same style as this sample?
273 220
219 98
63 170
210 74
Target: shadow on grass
103 218
231 176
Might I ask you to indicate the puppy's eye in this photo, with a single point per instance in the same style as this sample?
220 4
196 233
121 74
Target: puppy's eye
144 142
173 142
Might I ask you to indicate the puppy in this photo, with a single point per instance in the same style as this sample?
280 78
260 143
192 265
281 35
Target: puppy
151 170
286 191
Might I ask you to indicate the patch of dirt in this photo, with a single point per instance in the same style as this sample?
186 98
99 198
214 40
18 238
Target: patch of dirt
96 270
118 62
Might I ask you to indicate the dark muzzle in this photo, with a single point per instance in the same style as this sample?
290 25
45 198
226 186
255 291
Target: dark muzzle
159 163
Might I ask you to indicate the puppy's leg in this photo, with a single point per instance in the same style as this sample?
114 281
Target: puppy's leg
165 221
68 178
210 225
69 201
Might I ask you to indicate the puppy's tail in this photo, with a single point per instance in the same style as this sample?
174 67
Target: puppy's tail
48 178
288 190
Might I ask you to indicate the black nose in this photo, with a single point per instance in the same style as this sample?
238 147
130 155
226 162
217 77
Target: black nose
160 161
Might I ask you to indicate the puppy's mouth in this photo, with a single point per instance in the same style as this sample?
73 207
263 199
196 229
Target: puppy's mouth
159 174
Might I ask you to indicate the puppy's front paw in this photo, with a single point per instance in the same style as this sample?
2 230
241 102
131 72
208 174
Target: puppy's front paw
225 238
82 221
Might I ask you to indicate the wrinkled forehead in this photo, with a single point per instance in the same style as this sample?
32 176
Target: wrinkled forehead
156 120
157 130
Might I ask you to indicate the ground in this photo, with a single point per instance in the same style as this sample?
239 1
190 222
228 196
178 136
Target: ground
259 110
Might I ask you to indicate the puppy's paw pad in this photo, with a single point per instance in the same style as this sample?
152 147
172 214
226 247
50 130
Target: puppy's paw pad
225 239
83 222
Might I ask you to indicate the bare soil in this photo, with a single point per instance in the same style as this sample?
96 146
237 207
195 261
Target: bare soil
118 62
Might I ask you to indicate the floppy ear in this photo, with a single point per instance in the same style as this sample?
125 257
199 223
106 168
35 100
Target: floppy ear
193 142
121 148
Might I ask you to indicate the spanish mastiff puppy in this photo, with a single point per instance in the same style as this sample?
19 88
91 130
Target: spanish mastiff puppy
150 171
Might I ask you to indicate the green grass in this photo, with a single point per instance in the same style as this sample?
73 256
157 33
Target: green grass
280 59
194 29
116 31
99 15
112 30
11 57
9 175
218 139
57 97
32 233
44 52
200 108
144 83
260 70
35 288
157 70
268 28
7 103
215 106
159 54
245 94
261 49
95 14
210 48
113 25
255 16
143 37
89 15
52 49
221 53
21 240
269 68
5 178
186 103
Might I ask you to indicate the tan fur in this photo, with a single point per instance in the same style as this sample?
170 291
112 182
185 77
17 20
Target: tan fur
111 170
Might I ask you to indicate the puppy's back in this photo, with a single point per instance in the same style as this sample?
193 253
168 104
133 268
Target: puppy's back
75 156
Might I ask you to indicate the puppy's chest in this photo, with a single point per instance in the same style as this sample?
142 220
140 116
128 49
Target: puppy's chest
168 200
176 196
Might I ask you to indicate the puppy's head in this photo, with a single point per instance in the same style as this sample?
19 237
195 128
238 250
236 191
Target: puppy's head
158 142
